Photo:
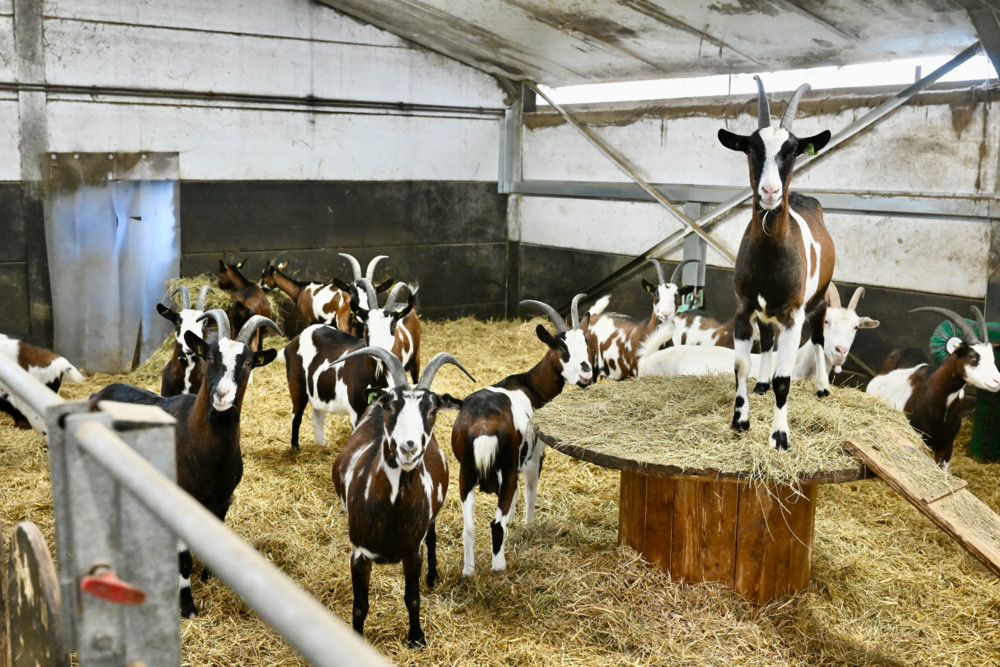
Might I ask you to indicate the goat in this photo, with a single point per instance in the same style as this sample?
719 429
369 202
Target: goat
248 298
932 396
183 373
696 327
619 341
391 478
782 269
315 379
44 365
840 328
357 292
493 440
395 326
207 436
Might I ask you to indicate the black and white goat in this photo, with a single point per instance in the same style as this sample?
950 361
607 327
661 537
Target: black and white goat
44 365
392 478
248 299
784 263
357 293
619 341
932 396
207 437
394 326
183 373
493 440
314 378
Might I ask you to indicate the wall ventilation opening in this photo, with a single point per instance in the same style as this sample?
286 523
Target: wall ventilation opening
893 73
113 237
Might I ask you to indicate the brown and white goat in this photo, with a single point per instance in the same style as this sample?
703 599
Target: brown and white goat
44 365
392 478
248 299
932 396
207 436
395 326
493 440
784 263
182 374
356 292
619 341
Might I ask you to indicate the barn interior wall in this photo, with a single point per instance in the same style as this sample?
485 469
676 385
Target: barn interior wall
299 130
942 141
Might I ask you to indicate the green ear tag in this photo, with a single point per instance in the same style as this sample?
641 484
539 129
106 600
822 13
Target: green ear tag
810 150
371 393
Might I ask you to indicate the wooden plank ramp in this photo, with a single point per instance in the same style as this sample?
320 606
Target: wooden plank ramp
945 500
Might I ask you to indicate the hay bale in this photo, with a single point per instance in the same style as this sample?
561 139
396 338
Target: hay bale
685 422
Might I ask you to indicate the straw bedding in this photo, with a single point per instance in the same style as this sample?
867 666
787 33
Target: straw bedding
887 589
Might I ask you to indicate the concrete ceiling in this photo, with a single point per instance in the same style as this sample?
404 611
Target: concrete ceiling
588 41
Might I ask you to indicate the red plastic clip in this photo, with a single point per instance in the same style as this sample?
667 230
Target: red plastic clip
102 583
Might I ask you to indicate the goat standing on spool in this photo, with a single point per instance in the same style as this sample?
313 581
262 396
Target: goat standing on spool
248 299
932 396
392 478
784 264
493 440
207 436
183 373
621 341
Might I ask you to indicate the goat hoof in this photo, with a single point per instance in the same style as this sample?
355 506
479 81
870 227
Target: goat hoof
417 640
740 426
468 572
761 387
206 574
822 393
188 610
780 440
432 578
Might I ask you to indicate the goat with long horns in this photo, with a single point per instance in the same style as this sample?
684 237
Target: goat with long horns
784 264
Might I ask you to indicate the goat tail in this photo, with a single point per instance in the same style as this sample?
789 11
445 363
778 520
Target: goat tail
485 450
599 306
67 371
659 337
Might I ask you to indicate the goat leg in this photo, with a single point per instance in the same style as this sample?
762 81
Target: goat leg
361 572
412 564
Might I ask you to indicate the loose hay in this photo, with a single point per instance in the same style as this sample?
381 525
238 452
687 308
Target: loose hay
887 589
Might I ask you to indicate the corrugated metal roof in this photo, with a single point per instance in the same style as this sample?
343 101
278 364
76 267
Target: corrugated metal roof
589 41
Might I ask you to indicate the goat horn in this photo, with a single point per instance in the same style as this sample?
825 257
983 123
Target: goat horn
432 367
185 296
677 272
370 271
574 311
763 110
250 328
390 301
355 266
390 360
856 298
833 296
659 269
556 318
984 334
793 106
202 293
968 333
221 321
370 291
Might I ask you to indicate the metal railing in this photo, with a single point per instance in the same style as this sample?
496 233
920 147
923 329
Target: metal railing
116 508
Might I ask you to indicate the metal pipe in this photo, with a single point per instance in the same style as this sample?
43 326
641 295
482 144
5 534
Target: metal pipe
630 171
711 218
309 627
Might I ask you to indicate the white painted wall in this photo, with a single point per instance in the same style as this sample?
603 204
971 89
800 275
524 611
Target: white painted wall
289 48
917 149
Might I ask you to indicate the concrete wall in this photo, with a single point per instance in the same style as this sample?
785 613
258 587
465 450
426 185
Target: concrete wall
943 142
275 108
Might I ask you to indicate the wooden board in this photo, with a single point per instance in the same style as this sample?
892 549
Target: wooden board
754 538
35 630
948 503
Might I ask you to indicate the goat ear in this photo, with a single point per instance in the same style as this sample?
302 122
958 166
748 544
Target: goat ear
544 336
166 312
867 323
648 286
400 314
449 402
384 287
953 344
239 265
197 344
341 285
281 267
735 142
264 357
222 266
686 289
813 144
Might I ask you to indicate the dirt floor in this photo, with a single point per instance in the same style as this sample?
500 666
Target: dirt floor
887 588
